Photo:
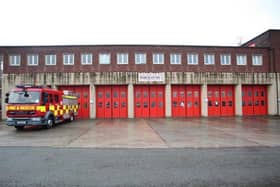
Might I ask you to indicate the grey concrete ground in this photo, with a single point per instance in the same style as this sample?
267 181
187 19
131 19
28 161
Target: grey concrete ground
151 133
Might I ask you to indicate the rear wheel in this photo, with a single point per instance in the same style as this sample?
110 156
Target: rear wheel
19 127
72 117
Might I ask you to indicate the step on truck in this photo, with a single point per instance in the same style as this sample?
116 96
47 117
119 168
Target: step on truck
29 105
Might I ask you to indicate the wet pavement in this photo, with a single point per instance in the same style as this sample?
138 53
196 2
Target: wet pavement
151 133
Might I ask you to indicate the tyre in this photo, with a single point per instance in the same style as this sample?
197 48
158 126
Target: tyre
50 123
19 127
72 118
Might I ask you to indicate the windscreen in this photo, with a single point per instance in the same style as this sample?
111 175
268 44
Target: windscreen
24 97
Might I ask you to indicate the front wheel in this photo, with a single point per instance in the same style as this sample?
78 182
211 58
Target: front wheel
50 123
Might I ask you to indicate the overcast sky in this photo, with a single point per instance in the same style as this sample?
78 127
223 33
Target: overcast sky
183 22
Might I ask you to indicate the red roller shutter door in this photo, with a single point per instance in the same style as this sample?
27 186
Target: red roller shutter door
149 101
111 101
83 99
178 101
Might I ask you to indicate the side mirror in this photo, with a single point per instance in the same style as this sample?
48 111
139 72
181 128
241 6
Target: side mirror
45 98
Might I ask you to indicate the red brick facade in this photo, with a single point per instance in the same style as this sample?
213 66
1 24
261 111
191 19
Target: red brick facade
131 66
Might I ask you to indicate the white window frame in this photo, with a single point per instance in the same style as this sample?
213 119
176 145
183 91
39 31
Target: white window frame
68 58
257 59
86 58
1 62
225 59
175 58
50 60
122 58
192 58
14 60
32 59
158 58
104 58
241 59
209 59
140 58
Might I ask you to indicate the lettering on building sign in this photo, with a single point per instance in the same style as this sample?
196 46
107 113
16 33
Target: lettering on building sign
151 77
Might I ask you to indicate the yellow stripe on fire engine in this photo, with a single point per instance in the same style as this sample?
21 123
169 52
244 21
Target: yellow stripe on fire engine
20 107
41 108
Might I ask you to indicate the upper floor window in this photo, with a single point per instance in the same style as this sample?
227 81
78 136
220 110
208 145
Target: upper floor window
192 58
241 59
140 58
1 62
50 60
32 60
225 59
68 59
175 58
158 58
86 58
14 60
122 58
257 60
209 59
104 58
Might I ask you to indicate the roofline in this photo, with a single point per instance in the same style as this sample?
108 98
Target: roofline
127 45
269 30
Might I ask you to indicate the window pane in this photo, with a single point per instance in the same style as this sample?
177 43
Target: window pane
175 58
158 58
209 59
140 58
104 58
192 58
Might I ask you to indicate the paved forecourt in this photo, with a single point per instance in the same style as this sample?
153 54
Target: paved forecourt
151 133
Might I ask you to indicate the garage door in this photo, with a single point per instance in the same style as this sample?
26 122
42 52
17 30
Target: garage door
220 100
185 100
111 101
149 101
83 99
254 100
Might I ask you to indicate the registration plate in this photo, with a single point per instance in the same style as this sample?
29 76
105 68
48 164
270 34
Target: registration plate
21 122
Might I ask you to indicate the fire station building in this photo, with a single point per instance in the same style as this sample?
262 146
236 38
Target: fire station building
147 81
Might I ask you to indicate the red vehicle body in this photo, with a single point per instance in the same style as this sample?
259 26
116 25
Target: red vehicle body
38 105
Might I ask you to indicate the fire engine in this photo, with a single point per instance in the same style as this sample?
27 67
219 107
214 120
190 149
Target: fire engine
29 105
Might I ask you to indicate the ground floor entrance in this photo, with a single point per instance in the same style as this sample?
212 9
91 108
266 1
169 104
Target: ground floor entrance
111 101
83 99
149 101
254 100
185 100
220 100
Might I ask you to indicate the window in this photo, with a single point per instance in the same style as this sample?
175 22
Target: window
257 60
192 58
225 59
175 58
209 59
14 60
140 58
68 59
122 58
104 58
158 58
50 59
86 58
1 62
241 59
32 60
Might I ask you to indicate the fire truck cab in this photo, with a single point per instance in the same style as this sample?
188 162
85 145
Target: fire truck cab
29 105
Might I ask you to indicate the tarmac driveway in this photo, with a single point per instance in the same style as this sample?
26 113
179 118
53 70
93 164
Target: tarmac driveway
151 133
